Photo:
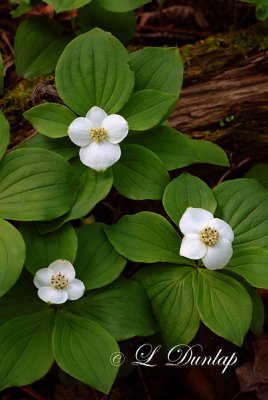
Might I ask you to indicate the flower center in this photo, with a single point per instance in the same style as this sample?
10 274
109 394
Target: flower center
98 134
59 281
210 236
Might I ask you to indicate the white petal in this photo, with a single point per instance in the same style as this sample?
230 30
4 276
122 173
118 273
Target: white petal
194 220
96 116
64 267
75 289
219 255
100 156
43 277
116 128
223 228
192 247
79 131
52 295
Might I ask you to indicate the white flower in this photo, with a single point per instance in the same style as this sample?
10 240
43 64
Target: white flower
206 237
57 284
98 135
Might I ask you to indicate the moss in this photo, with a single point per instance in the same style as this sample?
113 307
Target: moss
17 100
19 97
254 38
233 43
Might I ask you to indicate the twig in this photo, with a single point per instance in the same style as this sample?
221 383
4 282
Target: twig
233 169
32 393
146 391
17 80
6 40
237 394
95 394
33 134
132 270
169 33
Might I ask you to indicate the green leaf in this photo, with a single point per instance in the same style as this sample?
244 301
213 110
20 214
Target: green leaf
258 312
262 10
259 172
157 68
257 304
140 174
21 1
12 255
122 5
146 237
4 134
22 8
50 119
97 262
209 153
148 108
243 203
187 191
176 150
83 349
93 71
122 308
21 299
42 250
251 264
121 25
25 344
62 146
94 187
38 45
1 74
224 305
170 290
172 147
35 185
66 5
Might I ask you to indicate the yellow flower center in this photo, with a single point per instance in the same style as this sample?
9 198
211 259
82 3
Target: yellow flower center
58 281
210 236
98 134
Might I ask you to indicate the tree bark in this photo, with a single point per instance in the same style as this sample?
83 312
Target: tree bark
225 95
240 92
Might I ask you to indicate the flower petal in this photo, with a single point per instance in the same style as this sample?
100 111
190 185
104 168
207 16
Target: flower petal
96 116
192 247
116 128
64 267
223 228
219 255
75 289
52 295
79 131
100 156
194 220
43 277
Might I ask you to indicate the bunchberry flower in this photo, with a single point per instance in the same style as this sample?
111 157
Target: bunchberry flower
57 284
206 238
98 135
